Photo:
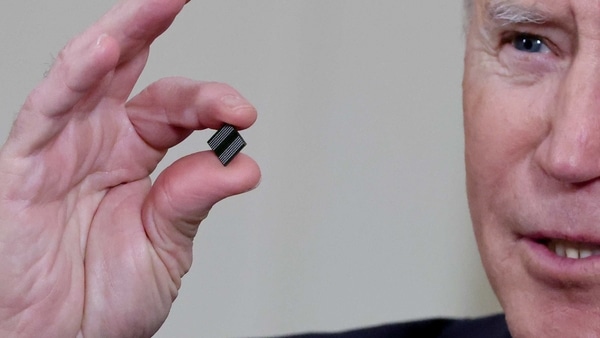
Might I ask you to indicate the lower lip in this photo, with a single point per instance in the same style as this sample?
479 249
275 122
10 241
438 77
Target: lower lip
545 265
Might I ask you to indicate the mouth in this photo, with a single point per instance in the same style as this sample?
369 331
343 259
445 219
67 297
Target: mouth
560 260
571 249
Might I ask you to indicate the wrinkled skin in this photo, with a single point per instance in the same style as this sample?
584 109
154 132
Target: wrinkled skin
89 246
532 132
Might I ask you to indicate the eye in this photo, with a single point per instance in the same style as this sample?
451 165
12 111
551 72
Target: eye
529 43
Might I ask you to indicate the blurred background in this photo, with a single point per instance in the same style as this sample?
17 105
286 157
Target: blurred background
361 217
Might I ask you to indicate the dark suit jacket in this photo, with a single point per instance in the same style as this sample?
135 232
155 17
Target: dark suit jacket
487 327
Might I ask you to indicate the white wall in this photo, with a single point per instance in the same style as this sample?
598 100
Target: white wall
361 217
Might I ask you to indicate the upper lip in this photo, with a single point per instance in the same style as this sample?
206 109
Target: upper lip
547 236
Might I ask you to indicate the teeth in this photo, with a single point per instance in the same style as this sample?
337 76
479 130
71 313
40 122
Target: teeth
585 253
572 253
573 250
559 248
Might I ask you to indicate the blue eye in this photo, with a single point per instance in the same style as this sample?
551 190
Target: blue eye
529 44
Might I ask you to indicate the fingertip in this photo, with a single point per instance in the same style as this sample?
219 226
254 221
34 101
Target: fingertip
198 181
243 172
227 105
241 175
244 117
239 111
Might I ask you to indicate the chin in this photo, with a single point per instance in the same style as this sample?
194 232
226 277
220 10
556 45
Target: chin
542 294
550 319
541 302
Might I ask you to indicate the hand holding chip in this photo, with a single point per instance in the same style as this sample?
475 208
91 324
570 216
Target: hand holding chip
89 245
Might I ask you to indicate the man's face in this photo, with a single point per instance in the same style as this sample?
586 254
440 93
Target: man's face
532 131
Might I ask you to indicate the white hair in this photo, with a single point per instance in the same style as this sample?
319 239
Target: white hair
514 14
506 12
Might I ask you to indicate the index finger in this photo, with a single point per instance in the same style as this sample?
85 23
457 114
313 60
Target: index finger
121 35
135 23
126 31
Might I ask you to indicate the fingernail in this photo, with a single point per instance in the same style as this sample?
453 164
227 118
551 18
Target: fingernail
101 38
231 101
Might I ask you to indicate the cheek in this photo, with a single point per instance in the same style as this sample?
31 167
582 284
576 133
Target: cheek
504 125
503 128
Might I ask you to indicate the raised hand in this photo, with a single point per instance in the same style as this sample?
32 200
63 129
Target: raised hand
88 246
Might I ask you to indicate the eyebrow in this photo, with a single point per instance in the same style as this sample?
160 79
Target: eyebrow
506 12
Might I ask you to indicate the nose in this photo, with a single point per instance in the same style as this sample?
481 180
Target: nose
571 151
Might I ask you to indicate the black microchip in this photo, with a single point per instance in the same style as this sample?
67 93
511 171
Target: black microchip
226 143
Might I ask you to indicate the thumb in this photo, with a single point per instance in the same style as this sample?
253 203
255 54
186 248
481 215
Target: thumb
183 195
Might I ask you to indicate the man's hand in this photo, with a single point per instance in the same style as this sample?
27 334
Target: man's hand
88 246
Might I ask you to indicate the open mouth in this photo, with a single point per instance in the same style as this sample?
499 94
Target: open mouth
570 249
